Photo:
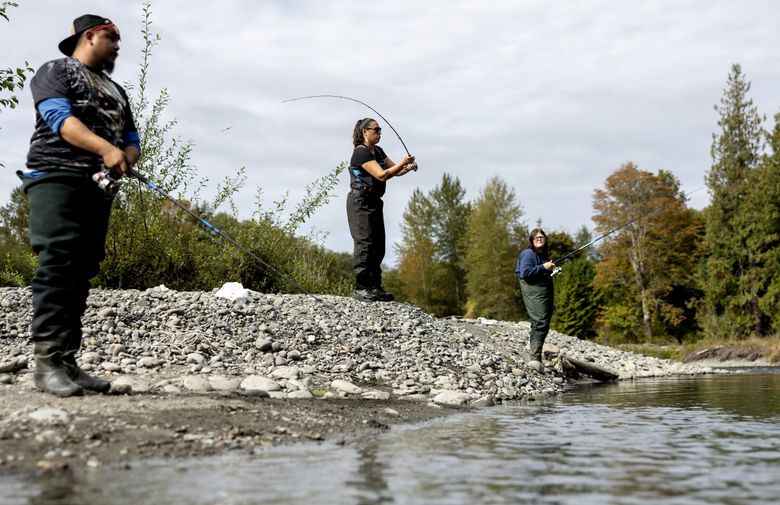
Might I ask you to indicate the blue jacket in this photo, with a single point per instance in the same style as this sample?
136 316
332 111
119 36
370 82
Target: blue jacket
530 267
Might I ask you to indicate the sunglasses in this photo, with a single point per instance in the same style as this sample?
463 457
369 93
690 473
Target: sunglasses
377 129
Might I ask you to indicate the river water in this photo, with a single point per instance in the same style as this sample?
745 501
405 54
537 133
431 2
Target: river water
700 440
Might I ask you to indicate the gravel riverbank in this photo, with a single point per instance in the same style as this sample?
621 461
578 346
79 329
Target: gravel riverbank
205 372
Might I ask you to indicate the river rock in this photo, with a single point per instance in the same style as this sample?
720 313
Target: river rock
225 383
286 372
346 387
261 383
197 383
300 394
452 398
376 395
49 415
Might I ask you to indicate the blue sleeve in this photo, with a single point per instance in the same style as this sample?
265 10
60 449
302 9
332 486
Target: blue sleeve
529 266
132 139
130 135
54 111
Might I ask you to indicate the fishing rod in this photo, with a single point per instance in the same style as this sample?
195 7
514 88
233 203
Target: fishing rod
361 103
143 179
557 269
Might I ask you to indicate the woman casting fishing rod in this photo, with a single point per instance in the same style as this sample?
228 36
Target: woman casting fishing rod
370 169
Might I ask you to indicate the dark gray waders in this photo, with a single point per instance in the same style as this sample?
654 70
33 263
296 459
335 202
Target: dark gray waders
68 225
538 300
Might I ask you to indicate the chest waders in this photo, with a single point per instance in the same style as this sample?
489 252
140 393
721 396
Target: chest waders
538 300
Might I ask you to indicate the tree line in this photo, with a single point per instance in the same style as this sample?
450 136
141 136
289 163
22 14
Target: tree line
676 273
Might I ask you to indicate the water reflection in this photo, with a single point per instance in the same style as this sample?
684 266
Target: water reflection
711 440
747 395
370 483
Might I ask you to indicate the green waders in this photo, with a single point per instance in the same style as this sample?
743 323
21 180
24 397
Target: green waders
538 300
68 225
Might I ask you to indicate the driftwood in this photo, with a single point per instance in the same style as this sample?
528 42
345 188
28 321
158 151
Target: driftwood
14 366
590 369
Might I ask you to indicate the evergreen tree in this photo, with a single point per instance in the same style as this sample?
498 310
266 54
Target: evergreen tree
432 249
575 300
450 214
494 237
561 243
17 262
763 227
731 301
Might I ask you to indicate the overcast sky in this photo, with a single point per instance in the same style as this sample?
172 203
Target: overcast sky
550 96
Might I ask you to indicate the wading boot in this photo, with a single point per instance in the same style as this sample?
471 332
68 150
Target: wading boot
50 375
82 378
382 295
365 295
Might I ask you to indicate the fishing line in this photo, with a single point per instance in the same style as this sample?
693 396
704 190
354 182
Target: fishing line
557 269
361 103
281 275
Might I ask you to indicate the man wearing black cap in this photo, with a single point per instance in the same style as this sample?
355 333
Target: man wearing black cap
83 125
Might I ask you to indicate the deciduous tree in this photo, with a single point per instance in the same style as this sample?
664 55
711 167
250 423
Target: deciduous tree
643 262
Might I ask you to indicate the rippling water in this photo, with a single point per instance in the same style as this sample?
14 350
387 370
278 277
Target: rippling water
705 440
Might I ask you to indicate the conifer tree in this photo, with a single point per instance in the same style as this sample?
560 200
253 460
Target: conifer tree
494 237
762 213
432 250
575 301
731 302
450 214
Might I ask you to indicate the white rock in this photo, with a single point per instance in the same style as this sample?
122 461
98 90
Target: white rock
224 383
196 358
110 367
286 372
232 291
346 387
90 357
135 384
148 362
261 383
49 415
450 397
197 383
376 395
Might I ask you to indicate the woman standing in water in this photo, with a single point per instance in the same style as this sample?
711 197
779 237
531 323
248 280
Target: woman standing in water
369 170
534 269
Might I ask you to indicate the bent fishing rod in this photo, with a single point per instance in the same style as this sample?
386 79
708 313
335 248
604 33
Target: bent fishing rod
557 269
134 173
361 103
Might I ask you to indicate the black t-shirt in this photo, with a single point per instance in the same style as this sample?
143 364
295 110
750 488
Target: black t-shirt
359 178
97 101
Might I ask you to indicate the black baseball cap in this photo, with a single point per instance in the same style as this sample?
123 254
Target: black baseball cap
80 25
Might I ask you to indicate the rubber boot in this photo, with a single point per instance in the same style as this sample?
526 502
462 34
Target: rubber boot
50 375
82 378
